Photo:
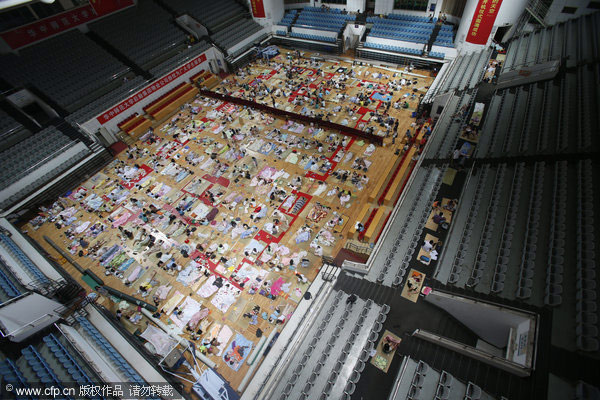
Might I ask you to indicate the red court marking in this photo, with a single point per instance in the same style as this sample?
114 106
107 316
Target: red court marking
268 76
267 237
222 106
334 164
300 92
142 173
219 181
204 197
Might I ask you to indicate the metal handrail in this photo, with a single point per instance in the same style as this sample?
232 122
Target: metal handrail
526 64
32 323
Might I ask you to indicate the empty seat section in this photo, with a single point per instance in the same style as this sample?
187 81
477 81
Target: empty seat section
69 68
19 256
144 33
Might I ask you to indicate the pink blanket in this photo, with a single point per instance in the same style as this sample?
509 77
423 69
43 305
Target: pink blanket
276 286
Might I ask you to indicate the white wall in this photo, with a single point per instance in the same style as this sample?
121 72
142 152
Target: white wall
387 7
508 14
28 315
24 97
450 52
315 32
276 28
384 6
391 42
274 11
191 25
299 5
555 13
490 322
352 35
93 125
522 329
351 5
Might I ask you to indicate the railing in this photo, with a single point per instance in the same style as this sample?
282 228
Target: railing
534 62
399 379
329 271
538 9
362 249
57 312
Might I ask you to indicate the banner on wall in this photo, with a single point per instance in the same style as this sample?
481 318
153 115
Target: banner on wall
483 21
142 94
103 7
44 28
258 8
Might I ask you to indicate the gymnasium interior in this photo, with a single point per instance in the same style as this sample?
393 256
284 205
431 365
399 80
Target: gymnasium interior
299 199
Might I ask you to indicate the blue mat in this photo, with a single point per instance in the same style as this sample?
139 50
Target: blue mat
381 97
237 352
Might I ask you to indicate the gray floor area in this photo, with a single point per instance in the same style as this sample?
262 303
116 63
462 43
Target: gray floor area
559 389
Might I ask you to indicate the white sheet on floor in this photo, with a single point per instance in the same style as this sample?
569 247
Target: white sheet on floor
187 310
162 342
225 298
208 289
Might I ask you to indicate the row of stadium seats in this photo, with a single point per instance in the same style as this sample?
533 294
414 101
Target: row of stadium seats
313 37
142 33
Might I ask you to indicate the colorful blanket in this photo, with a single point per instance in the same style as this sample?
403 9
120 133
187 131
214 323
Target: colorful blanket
237 352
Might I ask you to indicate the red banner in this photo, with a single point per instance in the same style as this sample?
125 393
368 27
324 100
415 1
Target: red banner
483 21
258 8
103 7
142 94
44 28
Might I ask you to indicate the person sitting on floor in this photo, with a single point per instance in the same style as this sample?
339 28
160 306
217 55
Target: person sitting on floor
439 218
389 344
427 246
